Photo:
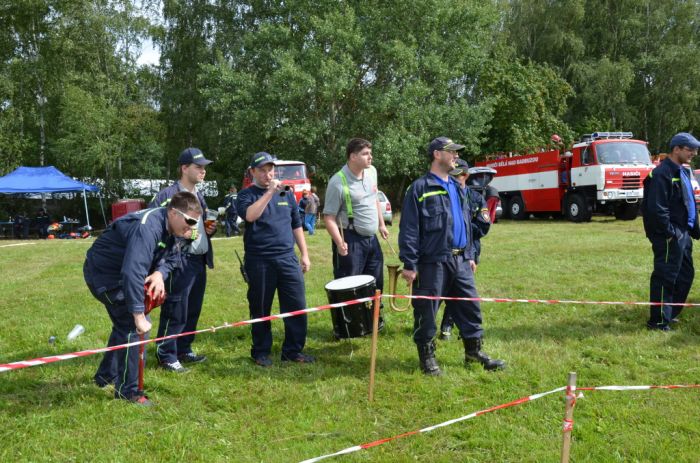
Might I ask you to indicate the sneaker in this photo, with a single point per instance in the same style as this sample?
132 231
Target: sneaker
141 400
675 320
191 357
299 358
263 361
174 367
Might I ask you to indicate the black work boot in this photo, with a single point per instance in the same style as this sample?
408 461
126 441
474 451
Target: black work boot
472 353
426 356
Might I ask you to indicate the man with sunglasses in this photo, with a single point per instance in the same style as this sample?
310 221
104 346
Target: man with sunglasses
436 248
183 305
272 227
670 221
137 249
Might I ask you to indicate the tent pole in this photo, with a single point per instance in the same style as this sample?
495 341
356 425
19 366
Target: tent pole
87 216
104 217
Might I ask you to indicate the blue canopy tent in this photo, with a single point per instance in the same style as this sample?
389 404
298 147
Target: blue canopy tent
44 180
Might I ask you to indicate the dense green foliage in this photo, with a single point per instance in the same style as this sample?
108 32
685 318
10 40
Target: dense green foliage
230 410
298 78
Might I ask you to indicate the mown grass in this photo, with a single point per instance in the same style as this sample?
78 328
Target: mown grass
229 410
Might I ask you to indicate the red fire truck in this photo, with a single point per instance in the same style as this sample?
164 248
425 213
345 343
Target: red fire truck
291 173
603 172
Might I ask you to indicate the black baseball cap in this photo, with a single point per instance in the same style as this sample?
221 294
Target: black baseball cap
443 144
261 158
193 156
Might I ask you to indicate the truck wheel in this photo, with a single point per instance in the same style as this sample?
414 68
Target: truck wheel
516 208
627 211
576 208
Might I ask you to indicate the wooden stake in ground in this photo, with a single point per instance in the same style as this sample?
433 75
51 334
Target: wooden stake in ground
142 349
568 425
375 335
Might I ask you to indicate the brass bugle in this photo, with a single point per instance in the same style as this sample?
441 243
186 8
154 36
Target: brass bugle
394 271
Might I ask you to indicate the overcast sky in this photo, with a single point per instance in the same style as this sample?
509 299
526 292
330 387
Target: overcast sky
150 54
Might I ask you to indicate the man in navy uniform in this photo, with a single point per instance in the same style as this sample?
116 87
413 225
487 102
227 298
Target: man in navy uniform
670 220
435 240
137 249
183 305
481 223
272 227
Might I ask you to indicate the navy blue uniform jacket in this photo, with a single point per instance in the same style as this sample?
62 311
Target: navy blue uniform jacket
425 233
271 235
666 203
133 247
163 198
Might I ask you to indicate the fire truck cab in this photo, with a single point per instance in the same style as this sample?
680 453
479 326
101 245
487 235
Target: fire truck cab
291 173
603 172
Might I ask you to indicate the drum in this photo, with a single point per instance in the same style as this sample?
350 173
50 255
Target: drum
355 320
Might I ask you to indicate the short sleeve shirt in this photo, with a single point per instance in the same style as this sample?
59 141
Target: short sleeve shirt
363 197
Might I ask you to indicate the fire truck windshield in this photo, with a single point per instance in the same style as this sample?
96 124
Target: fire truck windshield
623 153
291 172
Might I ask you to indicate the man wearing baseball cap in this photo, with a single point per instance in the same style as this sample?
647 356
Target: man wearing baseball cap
272 227
670 220
183 305
436 248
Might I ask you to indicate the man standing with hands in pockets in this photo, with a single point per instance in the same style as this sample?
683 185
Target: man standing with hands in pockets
670 221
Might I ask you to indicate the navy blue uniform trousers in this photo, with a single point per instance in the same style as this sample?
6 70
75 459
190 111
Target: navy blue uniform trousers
364 258
181 309
671 279
453 278
267 275
119 367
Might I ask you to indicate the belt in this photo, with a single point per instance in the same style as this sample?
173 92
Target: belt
457 251
351 230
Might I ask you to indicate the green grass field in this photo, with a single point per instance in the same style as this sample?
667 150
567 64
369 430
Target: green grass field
230 410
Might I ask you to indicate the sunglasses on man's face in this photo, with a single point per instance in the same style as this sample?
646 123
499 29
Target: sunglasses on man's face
191 221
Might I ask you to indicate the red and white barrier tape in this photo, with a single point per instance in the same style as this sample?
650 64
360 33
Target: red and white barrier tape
638 388
57 358
541 301
356 448
567 424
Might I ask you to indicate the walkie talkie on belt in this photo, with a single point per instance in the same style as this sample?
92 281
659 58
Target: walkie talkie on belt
243 272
